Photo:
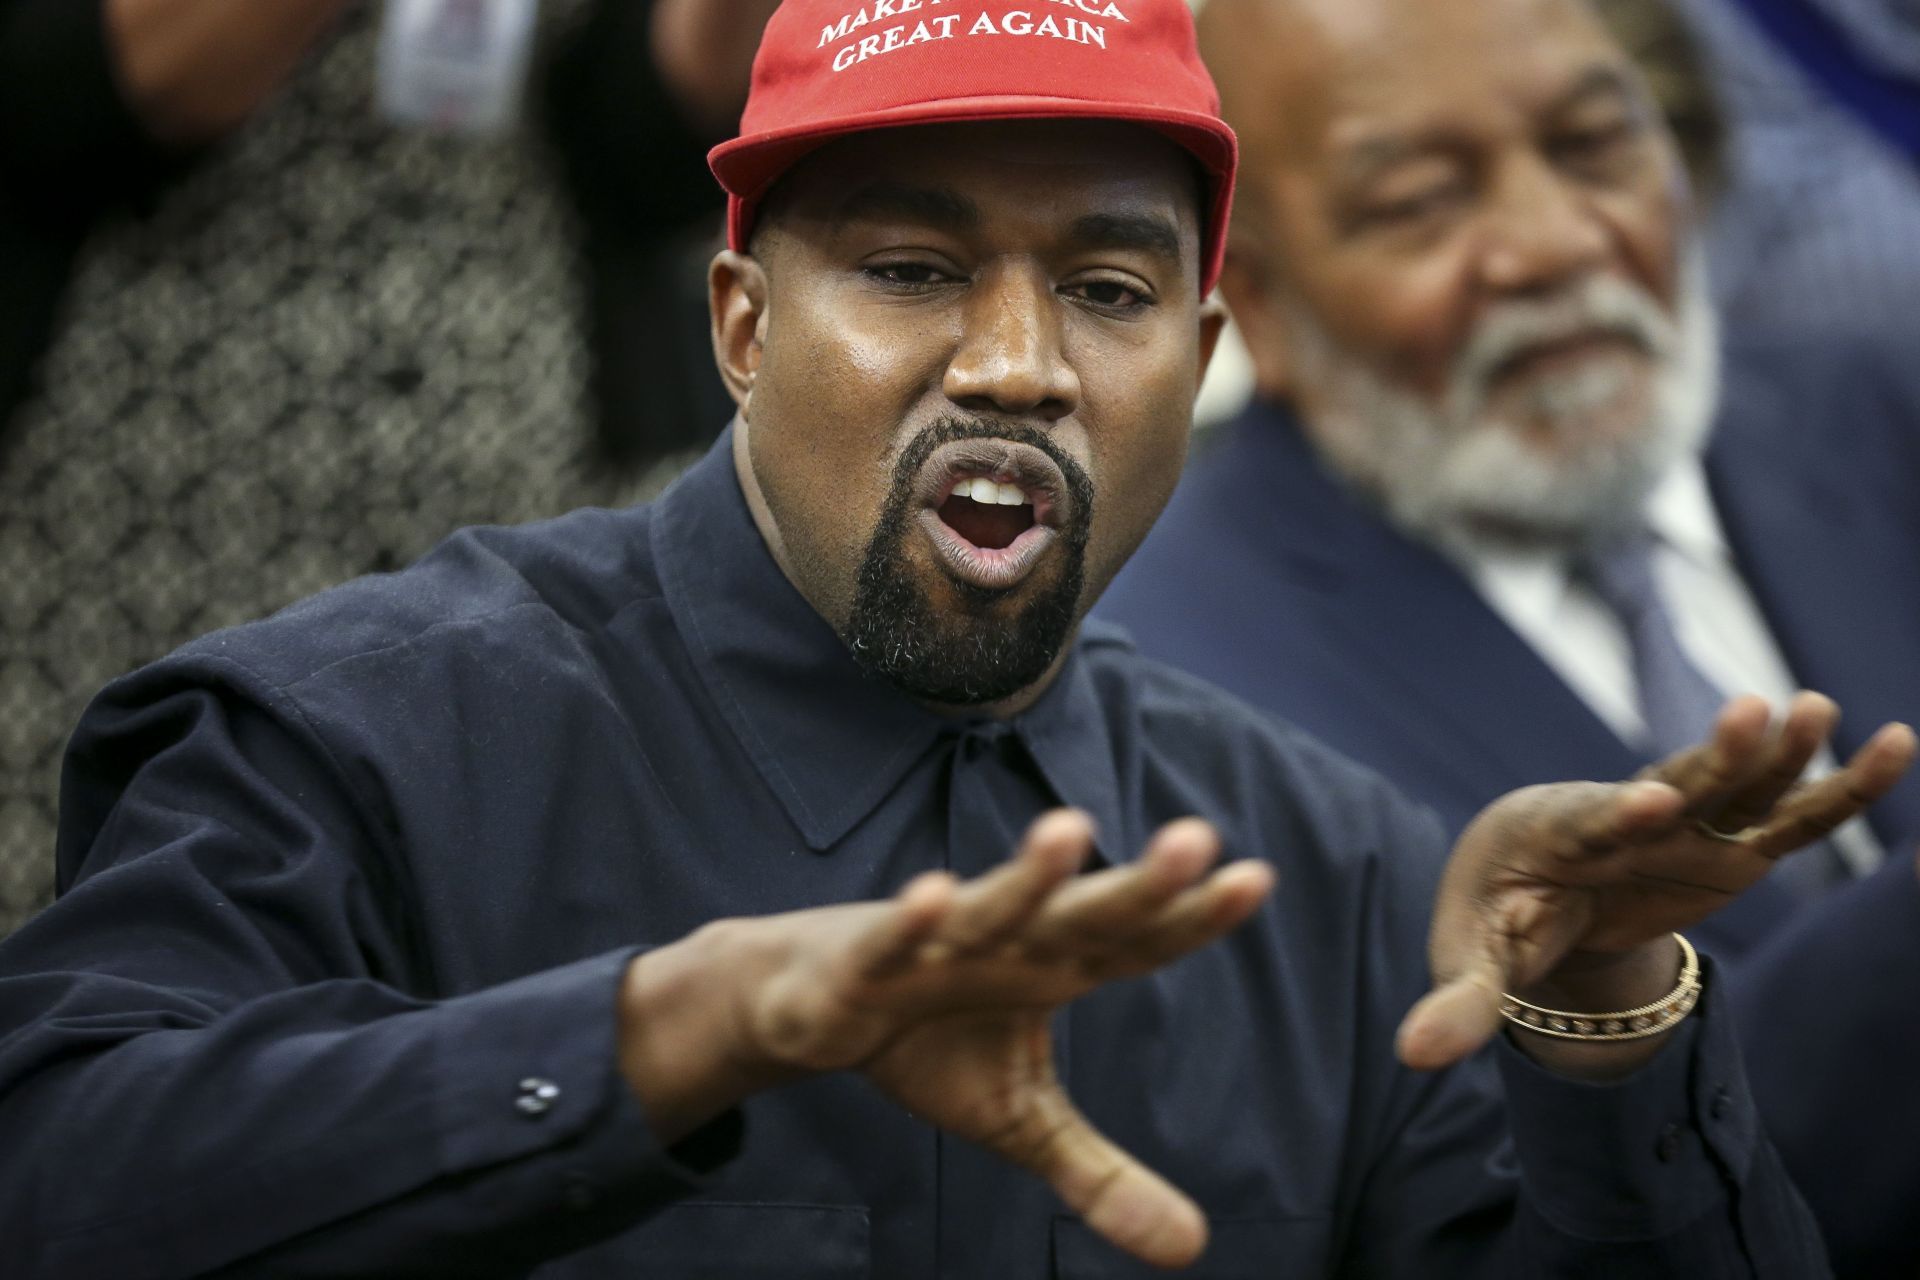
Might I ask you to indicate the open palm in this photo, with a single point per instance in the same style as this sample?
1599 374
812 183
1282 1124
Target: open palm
944 996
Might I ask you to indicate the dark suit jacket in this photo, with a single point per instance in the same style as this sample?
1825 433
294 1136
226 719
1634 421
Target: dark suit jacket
1269 577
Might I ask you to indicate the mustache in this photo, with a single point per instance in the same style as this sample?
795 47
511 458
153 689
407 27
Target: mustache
1599 304
951 428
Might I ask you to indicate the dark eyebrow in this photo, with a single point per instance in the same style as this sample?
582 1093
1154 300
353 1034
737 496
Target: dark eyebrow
1145 232
940 207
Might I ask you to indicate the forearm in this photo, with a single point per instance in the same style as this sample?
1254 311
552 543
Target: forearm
195 69
1666 1171
226 1046
344 1122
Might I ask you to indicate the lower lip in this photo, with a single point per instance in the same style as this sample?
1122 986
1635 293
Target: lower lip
987 568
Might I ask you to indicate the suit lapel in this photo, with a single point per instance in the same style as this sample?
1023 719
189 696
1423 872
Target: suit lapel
1478 695
1839 587
1470 686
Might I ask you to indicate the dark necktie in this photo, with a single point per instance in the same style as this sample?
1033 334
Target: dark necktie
1678 702
989 1215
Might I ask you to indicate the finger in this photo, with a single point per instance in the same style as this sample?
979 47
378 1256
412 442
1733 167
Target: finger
1564 829
1119 903
1454 1020
1707 774
1809 722
1814 811
893 941
994 906
1114 1194
1199 916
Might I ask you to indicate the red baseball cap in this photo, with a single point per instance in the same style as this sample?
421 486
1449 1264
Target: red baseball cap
832 67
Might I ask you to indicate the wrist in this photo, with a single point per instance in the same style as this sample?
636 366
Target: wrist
683 1048
1603 983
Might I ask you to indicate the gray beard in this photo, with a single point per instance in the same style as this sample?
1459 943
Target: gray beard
1455 474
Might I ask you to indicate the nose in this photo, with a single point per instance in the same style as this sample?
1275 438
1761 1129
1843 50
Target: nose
1543 231
1010 357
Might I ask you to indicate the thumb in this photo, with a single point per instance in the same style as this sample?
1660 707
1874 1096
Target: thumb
1452 1022
1522 934
1115 1195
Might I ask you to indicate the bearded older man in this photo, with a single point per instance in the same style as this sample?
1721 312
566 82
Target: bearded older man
1468 535
447 924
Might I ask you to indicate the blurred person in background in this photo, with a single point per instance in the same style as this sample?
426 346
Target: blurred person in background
1818 230
1662 45
1498 517
257 338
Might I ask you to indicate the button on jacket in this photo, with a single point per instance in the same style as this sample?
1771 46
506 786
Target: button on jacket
349 894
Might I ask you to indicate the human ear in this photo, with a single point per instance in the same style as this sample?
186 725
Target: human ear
737 304
1213 322
1252 288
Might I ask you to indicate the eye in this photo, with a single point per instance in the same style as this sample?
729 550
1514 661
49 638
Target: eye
1595 145
1118 296
906 274
1413 207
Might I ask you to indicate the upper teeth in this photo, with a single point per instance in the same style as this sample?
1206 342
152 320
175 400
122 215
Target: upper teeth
980 489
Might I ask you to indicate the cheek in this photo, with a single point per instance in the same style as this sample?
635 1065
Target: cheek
1403 316
822 435
833 395
1648 226
1139 446
1400 305
859 355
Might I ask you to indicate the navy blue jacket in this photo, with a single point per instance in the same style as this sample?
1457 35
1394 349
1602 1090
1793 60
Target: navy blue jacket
1274 580
349 893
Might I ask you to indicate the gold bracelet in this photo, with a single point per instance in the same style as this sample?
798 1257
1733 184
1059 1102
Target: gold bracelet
1628 1024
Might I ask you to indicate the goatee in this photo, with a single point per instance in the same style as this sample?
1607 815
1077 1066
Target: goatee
964 655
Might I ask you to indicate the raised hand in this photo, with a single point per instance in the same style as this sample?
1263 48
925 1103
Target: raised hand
943 996
195 70
1565 894
704 50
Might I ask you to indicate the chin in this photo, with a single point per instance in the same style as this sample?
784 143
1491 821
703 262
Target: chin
943 640
1574 423
1495 480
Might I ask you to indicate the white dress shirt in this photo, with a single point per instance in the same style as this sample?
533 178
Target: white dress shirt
1714 615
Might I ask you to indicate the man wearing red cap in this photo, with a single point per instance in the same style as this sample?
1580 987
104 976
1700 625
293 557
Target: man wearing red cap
469 921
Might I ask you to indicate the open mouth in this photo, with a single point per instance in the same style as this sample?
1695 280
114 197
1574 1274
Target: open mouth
991 509
987 513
